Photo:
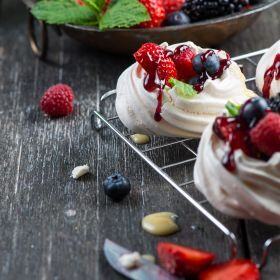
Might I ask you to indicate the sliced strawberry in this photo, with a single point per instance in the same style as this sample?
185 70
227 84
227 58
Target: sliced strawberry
157 13
232 270
183 261
166 70
148 56
183 60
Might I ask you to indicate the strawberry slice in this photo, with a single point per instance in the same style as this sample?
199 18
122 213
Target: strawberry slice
183 261
183 57
232 270
166 70
148 56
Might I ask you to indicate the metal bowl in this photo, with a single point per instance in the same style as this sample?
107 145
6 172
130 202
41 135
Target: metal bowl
205 33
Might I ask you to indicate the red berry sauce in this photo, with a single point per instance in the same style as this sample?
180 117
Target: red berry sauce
271 73
224 64
236 136
152 82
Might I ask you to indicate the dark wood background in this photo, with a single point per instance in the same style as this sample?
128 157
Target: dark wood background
39 237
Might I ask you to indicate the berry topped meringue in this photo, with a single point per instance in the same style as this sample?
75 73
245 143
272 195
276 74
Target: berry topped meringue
178 90
268 72
238 163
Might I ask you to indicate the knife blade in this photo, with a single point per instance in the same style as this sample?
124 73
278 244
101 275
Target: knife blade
145 271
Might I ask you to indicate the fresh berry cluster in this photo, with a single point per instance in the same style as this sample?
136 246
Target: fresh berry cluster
196 264
179 12
183 64
208 65
255 130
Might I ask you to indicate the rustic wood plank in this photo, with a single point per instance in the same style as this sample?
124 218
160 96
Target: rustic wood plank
53 227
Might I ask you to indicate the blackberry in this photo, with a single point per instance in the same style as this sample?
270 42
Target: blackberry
274 103
206 9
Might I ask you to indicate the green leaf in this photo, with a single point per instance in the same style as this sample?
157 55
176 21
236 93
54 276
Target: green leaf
124 14
95 5
233 109
182 89
63 11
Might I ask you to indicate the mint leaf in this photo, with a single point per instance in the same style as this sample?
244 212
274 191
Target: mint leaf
182 89
233 109
124 14
95 5
63 11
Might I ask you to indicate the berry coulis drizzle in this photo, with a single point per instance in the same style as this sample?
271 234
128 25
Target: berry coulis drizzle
238 138
224 64
270 73
152 82
235 133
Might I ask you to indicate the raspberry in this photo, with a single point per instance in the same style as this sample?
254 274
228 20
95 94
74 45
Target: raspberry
157 13
266 134
171 6
166 70
57 101
148 56
183 61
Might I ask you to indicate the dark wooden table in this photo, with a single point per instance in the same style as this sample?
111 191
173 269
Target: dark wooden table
39 237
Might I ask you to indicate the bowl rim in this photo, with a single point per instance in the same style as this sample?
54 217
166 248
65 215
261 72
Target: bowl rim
265 4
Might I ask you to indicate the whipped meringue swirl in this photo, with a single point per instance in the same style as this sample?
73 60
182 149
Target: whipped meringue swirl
268 72
181 116
252 191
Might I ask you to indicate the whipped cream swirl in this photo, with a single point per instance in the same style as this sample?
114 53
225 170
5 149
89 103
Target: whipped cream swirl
181 116
252 191
264 64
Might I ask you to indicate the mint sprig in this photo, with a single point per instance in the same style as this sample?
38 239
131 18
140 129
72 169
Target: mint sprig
121 13
124 14
233 109
63 11
182 89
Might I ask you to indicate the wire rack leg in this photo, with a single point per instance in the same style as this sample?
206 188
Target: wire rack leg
266 248
96 122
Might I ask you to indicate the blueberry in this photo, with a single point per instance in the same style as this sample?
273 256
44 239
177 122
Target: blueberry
253 110
177 18
197 64
194 80
212 64
117 187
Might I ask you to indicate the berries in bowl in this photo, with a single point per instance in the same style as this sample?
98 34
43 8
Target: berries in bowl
134 22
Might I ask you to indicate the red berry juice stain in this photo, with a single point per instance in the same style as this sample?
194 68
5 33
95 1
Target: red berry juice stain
272 72
236 136
151 82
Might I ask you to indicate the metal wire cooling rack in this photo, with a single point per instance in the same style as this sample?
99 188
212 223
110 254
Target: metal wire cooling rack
248 63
